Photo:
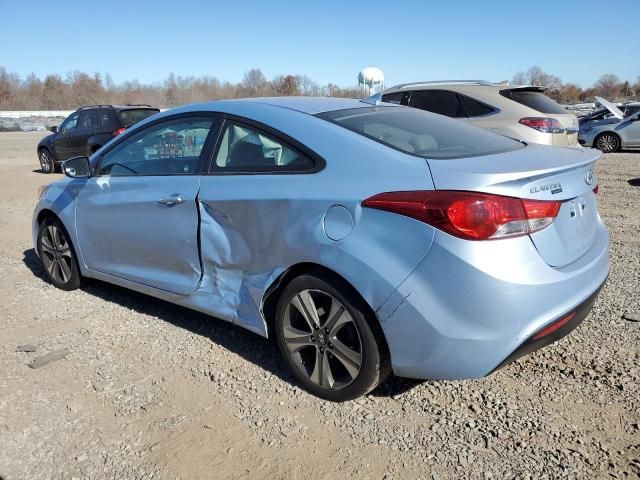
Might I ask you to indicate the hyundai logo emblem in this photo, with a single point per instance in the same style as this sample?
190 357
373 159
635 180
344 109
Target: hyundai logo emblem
588 177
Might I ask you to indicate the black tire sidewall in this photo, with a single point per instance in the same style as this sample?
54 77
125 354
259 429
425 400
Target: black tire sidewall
76 279
371 372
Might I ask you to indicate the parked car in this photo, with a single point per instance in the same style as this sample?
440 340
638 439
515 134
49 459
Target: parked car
611 127
364 238
521 112
86 130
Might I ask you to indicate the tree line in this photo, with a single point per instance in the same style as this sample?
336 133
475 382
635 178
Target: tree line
53 92
608 86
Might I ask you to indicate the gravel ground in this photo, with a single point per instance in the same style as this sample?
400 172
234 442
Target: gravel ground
151 390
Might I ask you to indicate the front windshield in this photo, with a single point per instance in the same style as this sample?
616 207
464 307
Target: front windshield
421 133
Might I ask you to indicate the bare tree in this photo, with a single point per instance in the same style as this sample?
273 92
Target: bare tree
608 85
286 85
254 82
537 77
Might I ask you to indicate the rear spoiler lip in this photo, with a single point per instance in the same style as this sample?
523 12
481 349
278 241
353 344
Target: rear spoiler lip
525 88
459 174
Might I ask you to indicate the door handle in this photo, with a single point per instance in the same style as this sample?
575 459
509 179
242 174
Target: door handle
170 201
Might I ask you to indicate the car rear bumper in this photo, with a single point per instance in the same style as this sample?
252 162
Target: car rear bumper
553 332
471 307
585 139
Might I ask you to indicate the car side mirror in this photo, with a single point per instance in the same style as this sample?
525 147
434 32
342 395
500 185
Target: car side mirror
77 167
54 129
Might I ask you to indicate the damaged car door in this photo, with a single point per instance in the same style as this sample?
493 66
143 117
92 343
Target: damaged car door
137 216
246 211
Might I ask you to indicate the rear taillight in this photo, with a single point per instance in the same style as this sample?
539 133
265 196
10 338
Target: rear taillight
470 215
543 124
596 189
118 131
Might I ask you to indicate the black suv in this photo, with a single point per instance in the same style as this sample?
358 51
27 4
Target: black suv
86 130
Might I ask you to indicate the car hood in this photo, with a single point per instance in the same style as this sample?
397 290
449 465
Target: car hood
611 107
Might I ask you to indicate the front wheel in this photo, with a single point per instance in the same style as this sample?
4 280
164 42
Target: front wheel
607 142
46 161
58 256
326 336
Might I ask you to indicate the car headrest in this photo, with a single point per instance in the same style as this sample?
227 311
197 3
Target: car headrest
246 154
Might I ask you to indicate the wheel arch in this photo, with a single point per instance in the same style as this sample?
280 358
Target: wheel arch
47 213
94 147
272 294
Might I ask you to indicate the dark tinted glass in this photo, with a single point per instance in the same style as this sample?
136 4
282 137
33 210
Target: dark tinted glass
436 101
475 108
134 115
107 119
536 100
393 97
89 119
421 133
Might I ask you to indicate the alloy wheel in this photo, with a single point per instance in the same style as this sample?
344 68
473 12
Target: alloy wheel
607 143
322 339
56 253
46 162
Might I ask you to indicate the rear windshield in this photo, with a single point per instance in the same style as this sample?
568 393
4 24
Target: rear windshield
421 133
536 100
134 115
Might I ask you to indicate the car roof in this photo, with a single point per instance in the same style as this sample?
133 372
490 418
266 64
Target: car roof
132 106
310 105
461 85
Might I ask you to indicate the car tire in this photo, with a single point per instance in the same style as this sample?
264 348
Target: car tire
47 164
329 338
58 255
607 142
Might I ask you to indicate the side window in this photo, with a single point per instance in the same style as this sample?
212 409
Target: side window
172 147
247 149
89 119
70 123
396 97
438 101
475 108
106 118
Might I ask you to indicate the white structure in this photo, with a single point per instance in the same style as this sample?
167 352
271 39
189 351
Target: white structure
371 81
35 113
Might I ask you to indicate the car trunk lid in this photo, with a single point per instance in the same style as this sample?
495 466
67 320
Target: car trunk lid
536 172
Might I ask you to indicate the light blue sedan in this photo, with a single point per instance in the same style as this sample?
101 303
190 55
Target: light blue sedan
364 237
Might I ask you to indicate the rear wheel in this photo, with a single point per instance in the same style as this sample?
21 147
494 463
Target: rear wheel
326 336
58 256
46 161
607 142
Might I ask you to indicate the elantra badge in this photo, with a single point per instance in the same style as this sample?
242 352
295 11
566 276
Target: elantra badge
588 177
553 187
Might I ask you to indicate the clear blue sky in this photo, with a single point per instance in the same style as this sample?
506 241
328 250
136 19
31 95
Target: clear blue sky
328 40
